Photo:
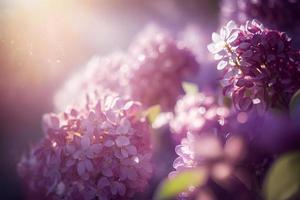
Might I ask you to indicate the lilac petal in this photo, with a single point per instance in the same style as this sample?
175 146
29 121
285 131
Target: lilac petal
118 103
92 116
109 143
89 165
215 47
122 141
124 127
231 25
178 162
131 173
233 36
107 172
222 64
95 148
77 154
132 150
102 182
132 108
247 54
112 116
224 32
121 189
216 37
114 188
85 142
218 57
70 163
70 148
244 45
182 150
81 168
124 153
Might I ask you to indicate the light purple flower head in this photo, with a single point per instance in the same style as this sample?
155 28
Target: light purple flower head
161 64
102 152
260 68
197 113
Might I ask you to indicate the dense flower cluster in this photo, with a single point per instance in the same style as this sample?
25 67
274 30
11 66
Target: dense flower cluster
196 113
100 152
260 67
161 66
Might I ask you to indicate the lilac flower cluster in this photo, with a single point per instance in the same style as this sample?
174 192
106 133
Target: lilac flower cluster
154 59
260 67
100 152
198 113
161 66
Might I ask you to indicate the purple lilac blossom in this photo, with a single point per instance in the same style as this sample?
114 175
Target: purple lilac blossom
161 65
260 68
102 151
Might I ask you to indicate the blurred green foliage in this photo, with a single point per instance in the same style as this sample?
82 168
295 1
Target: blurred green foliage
152 112
190 88
171 187
283 179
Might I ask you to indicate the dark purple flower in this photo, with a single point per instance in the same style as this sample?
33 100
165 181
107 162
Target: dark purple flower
161 65
260 68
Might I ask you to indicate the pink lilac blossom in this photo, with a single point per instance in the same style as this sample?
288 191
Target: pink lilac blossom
100 74
102 151
198 113
161 64
260 68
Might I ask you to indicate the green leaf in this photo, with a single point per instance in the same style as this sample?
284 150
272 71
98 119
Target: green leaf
295 101
283 179
171 187
190 88
152 112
